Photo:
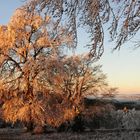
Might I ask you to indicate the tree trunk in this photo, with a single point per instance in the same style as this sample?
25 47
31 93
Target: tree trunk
38 130
29 126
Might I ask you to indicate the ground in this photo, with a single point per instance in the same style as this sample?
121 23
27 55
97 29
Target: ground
20 134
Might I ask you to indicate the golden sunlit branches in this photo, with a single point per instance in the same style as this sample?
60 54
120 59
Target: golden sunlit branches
26 43
38 83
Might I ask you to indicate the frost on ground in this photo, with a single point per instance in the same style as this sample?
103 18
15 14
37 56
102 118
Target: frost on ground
19 134
118 125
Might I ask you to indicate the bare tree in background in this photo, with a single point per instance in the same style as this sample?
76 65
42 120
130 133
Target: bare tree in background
70 80
123 17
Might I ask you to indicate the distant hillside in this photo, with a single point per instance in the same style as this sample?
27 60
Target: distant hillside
128 97
120 101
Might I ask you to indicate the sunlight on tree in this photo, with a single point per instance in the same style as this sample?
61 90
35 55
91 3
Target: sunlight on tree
39 84
25 45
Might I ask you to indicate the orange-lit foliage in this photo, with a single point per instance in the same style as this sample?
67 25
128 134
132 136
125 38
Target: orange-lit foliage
38 83
25 45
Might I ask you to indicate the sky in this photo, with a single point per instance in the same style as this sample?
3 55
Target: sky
122 67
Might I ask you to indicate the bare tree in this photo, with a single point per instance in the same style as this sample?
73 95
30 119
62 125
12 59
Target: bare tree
123 17
70 81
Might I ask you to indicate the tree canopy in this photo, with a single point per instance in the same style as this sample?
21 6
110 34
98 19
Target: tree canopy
26 43
38 82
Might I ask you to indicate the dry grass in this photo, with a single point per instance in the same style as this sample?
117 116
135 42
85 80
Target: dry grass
20 134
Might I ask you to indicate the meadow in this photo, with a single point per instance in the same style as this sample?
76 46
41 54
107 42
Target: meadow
114 125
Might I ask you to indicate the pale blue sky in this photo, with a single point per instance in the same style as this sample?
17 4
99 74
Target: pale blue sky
122 67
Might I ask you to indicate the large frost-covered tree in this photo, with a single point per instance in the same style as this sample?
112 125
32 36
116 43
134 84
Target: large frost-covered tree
25 44
38 83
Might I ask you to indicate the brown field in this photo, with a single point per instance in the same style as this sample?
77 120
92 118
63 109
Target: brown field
20 134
